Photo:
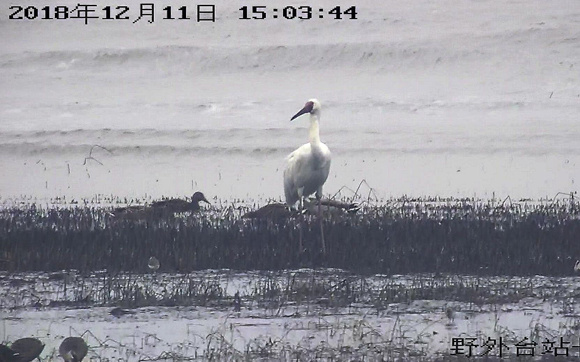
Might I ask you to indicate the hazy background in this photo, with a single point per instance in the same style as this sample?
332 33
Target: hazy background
447 98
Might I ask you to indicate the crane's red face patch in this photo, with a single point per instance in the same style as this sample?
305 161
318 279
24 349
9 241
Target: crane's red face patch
308 106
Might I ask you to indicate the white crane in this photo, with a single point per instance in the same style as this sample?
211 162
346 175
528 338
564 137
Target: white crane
308 166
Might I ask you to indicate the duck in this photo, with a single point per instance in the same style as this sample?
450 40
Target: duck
270 211
283 211
180 205
161 208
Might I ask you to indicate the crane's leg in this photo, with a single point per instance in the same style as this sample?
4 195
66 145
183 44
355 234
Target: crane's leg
301 199
319 197
301 216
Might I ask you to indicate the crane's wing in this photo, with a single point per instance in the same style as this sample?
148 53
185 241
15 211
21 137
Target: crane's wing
295 163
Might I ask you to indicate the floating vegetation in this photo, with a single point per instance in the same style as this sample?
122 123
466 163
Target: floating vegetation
326 288
292 315
462 236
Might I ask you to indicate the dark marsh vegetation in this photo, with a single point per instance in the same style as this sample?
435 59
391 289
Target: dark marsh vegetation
463 236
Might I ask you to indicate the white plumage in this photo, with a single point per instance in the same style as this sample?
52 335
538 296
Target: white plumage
308 166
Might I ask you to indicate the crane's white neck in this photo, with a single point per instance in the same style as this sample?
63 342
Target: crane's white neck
314 131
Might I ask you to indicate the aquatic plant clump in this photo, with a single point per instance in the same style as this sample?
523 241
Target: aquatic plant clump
403 236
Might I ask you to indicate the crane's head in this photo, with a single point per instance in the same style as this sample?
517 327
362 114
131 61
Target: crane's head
312 107
198 196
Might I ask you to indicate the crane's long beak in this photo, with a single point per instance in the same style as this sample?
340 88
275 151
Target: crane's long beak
307 109
204 199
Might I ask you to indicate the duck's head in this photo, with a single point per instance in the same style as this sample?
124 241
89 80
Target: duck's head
199 196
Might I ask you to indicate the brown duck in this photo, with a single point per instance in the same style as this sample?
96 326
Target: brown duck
271 211
282 211
162 208
180 205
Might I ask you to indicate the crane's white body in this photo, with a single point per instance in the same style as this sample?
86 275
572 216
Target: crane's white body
308 166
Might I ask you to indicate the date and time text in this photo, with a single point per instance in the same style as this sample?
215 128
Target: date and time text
151 12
